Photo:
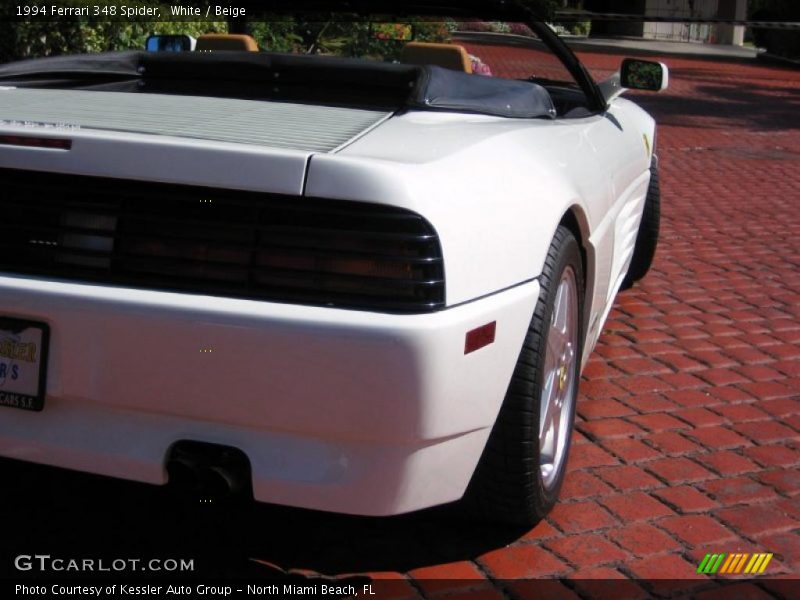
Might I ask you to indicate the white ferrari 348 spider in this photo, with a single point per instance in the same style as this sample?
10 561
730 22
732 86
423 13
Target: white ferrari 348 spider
356 284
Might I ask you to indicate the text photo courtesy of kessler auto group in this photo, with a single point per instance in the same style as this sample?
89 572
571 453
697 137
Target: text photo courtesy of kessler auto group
420 300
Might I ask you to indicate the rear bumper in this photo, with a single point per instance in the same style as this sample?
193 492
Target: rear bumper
344 411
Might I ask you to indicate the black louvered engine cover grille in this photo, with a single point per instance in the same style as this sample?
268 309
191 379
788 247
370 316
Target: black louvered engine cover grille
219 242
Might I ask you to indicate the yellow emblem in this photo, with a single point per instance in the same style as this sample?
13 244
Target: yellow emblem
562 378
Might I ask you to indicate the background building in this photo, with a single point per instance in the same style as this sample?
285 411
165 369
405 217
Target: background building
714 33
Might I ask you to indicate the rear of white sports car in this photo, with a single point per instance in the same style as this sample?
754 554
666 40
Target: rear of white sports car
171 289
344 294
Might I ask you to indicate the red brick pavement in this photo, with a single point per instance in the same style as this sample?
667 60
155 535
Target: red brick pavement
688 433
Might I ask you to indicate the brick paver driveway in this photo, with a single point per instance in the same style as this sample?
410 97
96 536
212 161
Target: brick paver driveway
689 417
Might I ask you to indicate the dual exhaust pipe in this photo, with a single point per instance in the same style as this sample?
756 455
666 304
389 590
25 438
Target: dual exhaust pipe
209 471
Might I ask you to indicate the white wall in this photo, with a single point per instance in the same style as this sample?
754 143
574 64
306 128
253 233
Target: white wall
686 32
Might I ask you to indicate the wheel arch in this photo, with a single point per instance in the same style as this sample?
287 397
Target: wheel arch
576 221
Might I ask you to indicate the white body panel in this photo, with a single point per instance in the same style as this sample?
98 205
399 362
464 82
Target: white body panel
339 410
161 158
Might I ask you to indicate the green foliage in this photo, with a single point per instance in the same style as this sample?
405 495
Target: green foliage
344 38
39 37
365 40
277 36
582 28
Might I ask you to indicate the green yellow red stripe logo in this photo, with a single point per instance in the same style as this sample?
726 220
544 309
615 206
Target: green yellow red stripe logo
736 563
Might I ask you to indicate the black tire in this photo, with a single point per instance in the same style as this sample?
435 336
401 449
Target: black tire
647 239
508 485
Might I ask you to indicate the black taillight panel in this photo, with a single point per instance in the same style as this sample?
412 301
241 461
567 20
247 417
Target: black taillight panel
219 242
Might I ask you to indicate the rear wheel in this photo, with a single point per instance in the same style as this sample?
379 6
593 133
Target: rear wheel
522 467
647 239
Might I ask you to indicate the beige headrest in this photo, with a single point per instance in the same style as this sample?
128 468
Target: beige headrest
448 56
215 42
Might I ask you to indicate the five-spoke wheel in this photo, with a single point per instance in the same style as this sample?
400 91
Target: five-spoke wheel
522 468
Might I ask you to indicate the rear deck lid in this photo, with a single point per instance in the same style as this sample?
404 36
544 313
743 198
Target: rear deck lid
302 127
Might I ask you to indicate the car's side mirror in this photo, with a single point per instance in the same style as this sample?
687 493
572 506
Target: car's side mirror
170 43
637 74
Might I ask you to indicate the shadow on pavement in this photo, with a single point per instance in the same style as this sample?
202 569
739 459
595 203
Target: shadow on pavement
727 106
56 511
